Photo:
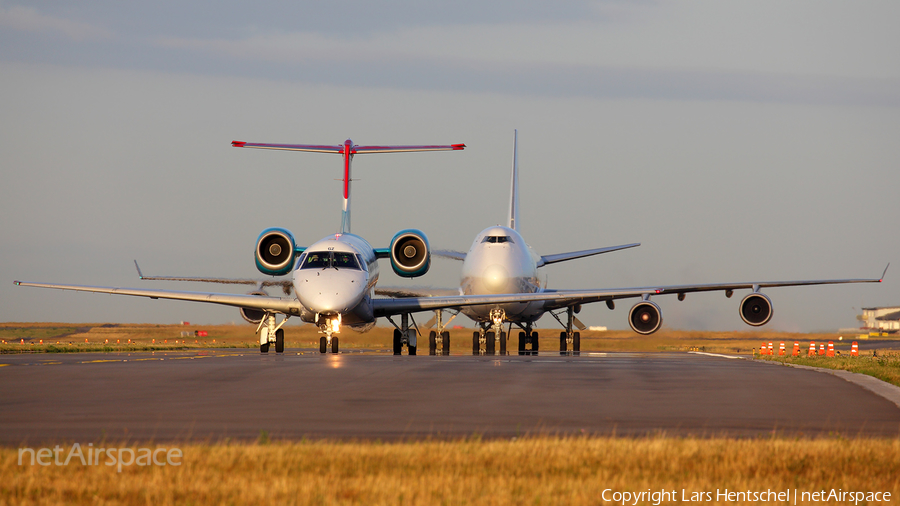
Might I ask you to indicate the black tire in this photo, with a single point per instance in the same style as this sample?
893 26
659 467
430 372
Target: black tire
279 341
264 348
535 343
476 348
335 345
432 343
323 345
562 343
412 349
446 343
398 343
489 343
576 344
503 343
522 343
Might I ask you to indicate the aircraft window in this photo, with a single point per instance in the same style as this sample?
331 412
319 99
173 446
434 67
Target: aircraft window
316 260
345 261
497 239
328 259
362 263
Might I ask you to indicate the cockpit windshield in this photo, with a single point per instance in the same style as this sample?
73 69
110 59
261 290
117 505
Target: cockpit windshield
328 259
497 238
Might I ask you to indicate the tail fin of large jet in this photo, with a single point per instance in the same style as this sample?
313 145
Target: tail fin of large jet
347 150
514 186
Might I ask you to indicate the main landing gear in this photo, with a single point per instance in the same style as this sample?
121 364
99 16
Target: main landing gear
569 340
439 339
526 339
405 335
330 326
269 333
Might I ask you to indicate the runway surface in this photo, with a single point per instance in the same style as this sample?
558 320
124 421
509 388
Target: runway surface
215 394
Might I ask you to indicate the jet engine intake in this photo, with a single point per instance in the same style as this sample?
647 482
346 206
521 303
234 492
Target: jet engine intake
645 317
275 252
410 253
756 309
253 315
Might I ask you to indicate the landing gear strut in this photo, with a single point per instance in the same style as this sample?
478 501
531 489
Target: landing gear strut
439 340
405 335
569 340
270 333
491 337
329 326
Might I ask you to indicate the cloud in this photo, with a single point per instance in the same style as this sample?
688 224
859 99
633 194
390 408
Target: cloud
28 19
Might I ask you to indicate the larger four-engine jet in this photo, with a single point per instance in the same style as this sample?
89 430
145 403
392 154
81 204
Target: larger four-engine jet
333 280
500 262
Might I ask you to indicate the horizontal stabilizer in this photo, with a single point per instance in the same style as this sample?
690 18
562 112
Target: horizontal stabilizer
315 148
562 257
446 253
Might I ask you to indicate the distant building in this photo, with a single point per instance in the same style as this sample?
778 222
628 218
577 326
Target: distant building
885 319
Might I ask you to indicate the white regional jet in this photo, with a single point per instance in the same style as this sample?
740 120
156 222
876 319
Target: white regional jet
333 280
500 262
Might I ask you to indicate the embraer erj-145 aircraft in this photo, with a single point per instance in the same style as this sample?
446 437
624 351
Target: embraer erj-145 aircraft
333 280
500 262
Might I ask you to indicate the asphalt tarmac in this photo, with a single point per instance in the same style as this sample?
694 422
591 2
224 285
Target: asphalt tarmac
216 394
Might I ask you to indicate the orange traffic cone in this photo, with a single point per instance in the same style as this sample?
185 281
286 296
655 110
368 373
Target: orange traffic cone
771 348
812 349
854 349
781 349
762 349
796 352
830 352
821 349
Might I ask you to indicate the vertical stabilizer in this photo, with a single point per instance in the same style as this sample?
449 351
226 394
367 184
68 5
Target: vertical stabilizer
514 186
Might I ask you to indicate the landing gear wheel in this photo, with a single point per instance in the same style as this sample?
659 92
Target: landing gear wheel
489 337
334 345
279 341
412 349
522 343
562 343
503 343
445 344
476 349
398 343
323 345
576 344
264 348
535 344
432 343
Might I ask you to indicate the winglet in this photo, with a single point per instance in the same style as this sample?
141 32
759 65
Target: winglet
238 144
457 147
136 266
883 273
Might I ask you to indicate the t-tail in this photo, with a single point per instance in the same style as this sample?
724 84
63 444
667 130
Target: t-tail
514 186
347 150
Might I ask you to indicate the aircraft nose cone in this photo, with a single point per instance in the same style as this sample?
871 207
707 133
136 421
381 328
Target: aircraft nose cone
496 278
325 295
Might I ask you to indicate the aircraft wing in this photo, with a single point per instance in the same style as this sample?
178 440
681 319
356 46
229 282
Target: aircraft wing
561 257
284 305
446 253
285 284
564 298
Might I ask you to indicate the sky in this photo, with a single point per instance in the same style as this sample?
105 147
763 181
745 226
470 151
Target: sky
737 141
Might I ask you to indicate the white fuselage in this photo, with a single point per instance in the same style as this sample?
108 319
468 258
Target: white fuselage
500 262
336 277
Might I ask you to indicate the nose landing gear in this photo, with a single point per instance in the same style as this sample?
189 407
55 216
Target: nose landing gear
330 326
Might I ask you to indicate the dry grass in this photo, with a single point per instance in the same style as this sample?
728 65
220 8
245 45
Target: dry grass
885 366
541 470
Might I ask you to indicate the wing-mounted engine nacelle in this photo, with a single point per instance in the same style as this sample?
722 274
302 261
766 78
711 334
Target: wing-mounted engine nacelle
410 253
756 309
275 252
645 317
253 315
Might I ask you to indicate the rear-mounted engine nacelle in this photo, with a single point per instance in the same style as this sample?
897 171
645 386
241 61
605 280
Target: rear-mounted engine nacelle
275 252
756 309
645 317
410 253
253 315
